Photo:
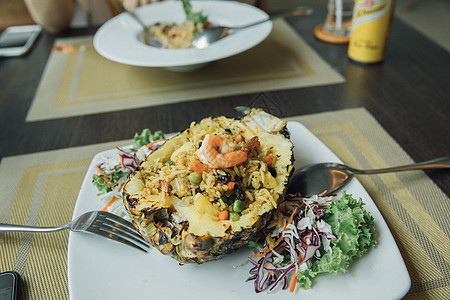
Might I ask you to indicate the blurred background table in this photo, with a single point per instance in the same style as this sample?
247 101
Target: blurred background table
408 94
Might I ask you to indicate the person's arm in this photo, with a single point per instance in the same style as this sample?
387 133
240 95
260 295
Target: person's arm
53 15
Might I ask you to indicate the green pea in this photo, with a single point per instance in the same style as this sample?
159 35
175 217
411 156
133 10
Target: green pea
170 162
195 177
238 206
234 216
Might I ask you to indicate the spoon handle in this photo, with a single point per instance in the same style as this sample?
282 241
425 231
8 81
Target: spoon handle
148 38
438 163
131 13
297 11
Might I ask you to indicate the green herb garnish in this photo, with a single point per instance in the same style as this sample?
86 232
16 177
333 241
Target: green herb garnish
146 137
196 17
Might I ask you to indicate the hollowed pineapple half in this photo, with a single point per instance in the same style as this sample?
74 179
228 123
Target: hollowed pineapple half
211 188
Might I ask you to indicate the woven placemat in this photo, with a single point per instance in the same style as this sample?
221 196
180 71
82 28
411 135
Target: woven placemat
83 82
41 189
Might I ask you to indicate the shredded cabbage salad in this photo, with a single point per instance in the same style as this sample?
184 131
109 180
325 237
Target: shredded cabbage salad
307 235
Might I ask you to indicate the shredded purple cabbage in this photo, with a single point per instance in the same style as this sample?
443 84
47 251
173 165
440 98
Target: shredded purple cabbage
129 159
268 272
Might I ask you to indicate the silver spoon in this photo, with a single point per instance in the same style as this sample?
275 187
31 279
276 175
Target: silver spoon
326 178
148 38
213 34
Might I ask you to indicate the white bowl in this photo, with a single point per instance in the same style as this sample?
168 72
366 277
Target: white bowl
119 38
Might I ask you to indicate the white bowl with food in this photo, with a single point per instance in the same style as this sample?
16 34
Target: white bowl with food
120 38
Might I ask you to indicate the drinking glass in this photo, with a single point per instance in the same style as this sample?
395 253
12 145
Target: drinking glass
339 19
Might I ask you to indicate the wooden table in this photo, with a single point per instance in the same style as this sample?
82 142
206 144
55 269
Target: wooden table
408 94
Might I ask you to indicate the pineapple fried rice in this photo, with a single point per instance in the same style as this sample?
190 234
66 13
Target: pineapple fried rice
208 190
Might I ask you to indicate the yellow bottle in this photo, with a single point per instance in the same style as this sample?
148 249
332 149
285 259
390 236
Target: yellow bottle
370 30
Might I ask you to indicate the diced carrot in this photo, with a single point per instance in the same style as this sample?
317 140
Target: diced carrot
231 185
109 203
269 160
303 240
262 253
278 241
294 277
290 218
285 227
223 215
121 162
149 145
293 283
99 171
199 167
265 250
104 177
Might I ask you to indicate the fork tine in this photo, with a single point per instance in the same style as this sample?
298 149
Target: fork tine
113 227
118 219
123 231
127 227
113 235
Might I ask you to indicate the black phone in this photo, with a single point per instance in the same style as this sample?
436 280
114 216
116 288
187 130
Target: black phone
9 285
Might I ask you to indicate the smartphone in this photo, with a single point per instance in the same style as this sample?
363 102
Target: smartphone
18 40
9 285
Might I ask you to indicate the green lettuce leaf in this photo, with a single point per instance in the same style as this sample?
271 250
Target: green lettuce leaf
145 137
114 177
355 232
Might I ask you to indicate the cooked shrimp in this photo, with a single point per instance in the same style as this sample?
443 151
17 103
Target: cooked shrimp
217 151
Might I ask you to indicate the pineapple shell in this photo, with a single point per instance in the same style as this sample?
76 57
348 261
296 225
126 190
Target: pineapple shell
180 218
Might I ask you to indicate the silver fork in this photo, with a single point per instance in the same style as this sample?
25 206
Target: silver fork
101 223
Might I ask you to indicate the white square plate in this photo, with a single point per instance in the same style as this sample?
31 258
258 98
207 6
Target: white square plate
103 269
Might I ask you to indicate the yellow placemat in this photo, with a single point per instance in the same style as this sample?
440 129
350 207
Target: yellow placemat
84 82
41 188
